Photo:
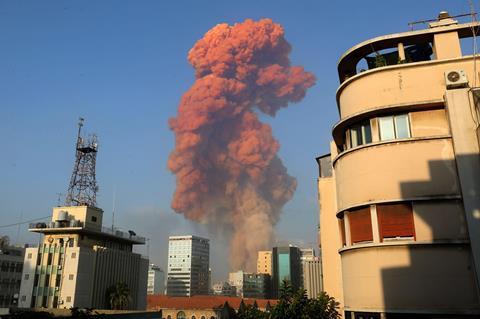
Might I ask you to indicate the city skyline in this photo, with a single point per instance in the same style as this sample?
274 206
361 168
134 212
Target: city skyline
58 69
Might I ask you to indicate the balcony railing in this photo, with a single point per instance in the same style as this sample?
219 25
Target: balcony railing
78 224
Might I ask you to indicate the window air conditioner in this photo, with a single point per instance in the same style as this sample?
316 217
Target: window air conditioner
59 267
57 288
456 79
60 302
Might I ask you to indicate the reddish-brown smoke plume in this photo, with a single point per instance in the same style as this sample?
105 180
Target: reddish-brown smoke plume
228 173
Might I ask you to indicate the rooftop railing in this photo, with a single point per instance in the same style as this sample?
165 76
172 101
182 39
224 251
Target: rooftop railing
78 224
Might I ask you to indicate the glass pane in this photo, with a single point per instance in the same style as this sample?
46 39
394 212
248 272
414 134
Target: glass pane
353 137
367 133
387 131
401 126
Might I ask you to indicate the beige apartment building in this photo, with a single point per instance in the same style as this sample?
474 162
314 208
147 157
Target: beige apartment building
78 260
400 190
264 262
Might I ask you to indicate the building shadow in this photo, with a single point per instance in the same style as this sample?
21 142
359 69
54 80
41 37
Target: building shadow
438 278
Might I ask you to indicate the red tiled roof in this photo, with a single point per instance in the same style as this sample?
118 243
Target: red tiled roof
202 302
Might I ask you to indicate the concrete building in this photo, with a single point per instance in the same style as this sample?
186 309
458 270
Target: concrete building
203 307
11 265
78 260
285 266
257 286
236 279
264 262
156 280
188 266
312 276
224 289
399 203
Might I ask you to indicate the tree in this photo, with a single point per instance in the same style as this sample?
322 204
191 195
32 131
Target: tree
297 305
118 296
4 242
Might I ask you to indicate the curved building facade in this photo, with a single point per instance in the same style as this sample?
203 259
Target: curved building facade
400 190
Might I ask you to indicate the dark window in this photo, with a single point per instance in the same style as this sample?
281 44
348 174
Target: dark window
69 299
70 277
55 302
57 280
74 255
47 280
360 225
19 267
395 220
49 259
35 280
33 303
27 276
94 219
360 134
29 256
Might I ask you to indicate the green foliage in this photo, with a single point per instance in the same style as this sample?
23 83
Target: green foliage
118 296
294 304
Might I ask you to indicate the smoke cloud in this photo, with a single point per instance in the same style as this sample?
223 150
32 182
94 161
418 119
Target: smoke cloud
225 160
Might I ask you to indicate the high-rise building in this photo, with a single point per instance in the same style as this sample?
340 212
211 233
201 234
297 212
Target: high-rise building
11 265
399 191
78 260
312 276
264 262
156 280
188 266
286 266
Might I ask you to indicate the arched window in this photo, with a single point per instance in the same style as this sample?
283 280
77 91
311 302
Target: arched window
169 317
203 317
181 315
193 317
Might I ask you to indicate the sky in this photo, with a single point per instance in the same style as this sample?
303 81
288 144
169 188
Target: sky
122 65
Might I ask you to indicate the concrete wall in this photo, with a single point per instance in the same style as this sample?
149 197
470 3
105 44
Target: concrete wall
26 287
330 240
427 278
377 172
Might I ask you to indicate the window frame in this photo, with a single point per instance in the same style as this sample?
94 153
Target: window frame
382 224
395 133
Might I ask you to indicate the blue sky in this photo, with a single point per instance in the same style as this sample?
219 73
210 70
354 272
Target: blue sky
122 66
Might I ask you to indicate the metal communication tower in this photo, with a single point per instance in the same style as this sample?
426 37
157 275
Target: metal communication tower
83 188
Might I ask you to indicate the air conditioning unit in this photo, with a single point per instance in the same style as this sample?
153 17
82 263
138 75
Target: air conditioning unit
59 267
60 302
456 79
57 288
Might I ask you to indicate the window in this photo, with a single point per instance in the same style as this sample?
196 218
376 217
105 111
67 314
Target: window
181 315
24 298
393 127
69 299
342 231
395 220
74 255
360 225
70 277
94 219
29 256
360 134
27 276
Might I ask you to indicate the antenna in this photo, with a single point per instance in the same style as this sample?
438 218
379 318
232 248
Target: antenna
113 209
82 190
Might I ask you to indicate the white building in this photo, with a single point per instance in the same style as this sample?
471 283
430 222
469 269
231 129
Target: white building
78 260
11 264
188 266
156 280
312 277
236 279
